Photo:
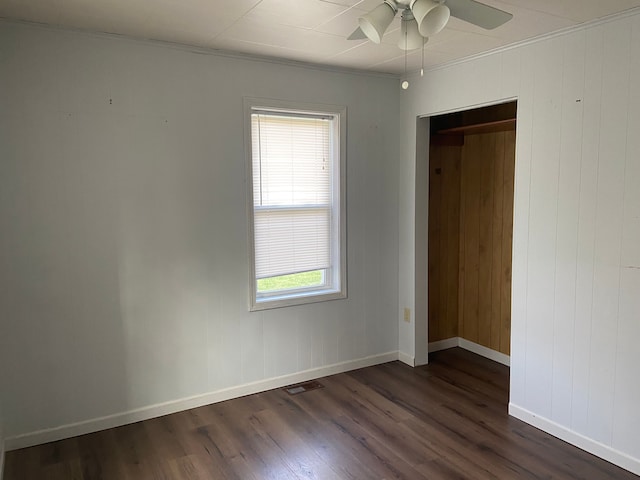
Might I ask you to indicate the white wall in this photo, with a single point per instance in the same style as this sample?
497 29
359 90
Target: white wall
576 257
123 244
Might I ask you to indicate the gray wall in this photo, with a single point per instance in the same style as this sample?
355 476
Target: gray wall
576 245
123 247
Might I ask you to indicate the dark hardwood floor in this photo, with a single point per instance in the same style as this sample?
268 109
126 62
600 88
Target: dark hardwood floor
447 420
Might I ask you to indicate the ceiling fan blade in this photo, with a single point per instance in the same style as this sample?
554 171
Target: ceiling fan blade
478 13
357 34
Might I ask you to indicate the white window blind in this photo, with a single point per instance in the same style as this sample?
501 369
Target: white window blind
292 192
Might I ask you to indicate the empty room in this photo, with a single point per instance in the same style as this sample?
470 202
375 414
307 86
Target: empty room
319 239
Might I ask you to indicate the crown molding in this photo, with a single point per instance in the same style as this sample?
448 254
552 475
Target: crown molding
198 50
529 41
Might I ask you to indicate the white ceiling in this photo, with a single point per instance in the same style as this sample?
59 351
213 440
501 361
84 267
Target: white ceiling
306 30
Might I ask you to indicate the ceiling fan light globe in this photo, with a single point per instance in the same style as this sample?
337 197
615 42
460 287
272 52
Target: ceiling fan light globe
435 21
376 22
410 37
431 16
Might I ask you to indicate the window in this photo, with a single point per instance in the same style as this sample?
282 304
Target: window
296 214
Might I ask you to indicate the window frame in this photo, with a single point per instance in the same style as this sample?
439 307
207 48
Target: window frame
338 270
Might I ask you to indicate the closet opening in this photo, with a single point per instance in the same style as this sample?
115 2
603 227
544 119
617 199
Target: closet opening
470 230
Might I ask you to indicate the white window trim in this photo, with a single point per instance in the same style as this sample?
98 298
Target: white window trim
340 270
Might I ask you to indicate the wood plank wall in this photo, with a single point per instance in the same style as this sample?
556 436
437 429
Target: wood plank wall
444 238
470 226
486 232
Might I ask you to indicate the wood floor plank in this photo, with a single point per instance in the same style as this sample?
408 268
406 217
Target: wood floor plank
379 424
447 420
344 430
302 460
323 438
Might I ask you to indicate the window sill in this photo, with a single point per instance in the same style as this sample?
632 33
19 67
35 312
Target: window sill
289 300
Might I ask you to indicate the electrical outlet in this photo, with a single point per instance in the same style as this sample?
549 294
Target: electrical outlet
407 314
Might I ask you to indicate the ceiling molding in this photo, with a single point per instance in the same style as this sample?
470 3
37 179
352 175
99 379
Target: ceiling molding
529 41
203 50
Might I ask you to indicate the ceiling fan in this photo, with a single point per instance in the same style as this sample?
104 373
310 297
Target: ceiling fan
424 18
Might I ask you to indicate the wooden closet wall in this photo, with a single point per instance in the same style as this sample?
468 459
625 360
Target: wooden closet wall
470 233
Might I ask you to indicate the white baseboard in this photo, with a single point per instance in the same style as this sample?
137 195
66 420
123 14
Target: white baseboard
485 352
421 359
472 347
563 433
408 359
158 410
444 344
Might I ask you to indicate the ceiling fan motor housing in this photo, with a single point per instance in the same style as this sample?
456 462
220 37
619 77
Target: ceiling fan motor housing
410 37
